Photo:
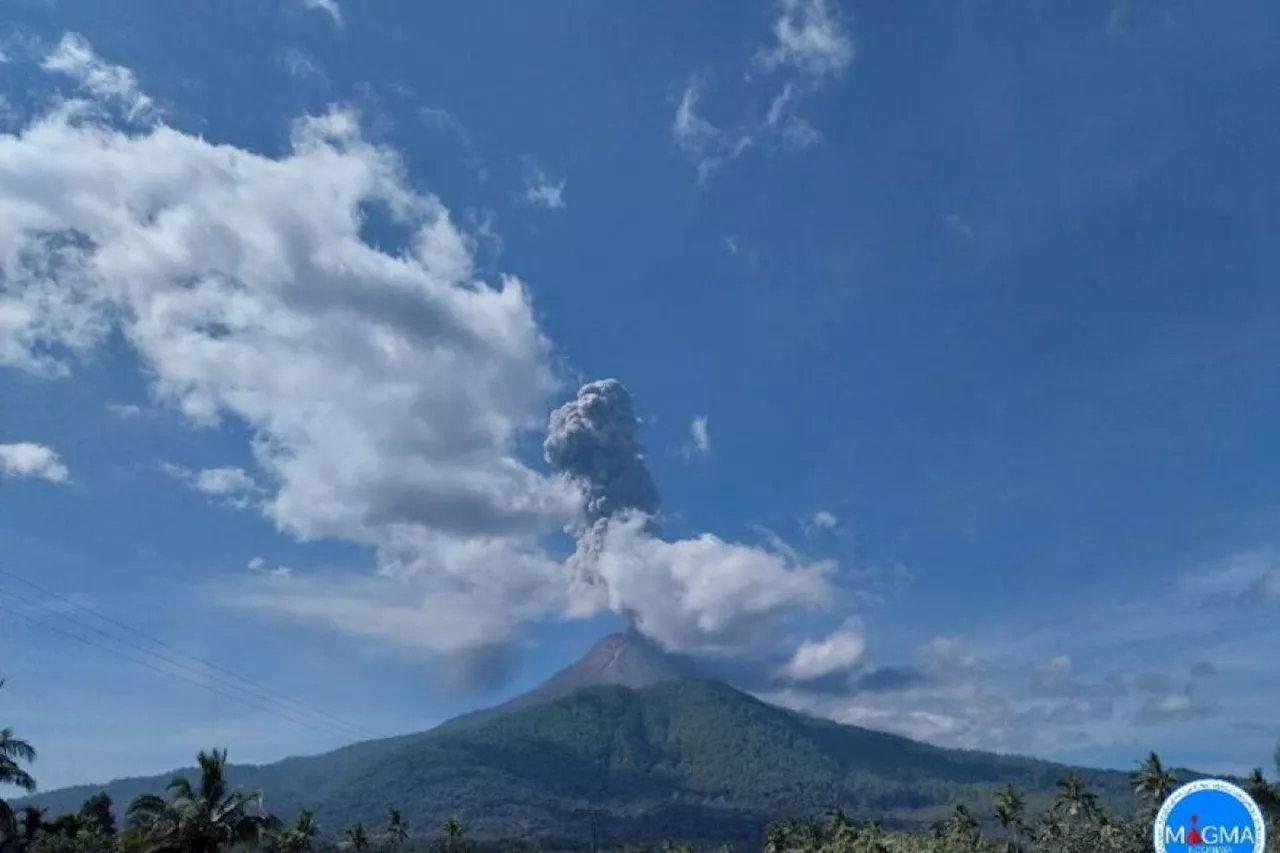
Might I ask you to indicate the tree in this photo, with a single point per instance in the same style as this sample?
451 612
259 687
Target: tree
777 838
807 835
397 831
962 829
96 815
355 838
28 822
841 836
1010 812
451 835
298 838
200 818
1152 781
1263 792
1074 800
14 752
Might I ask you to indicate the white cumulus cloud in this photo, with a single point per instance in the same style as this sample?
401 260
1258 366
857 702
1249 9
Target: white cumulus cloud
384 391
32 461
234 484
224 481
838 652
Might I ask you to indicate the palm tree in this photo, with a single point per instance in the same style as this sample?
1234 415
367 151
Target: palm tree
963 827
1011 810
1051 829
200 819
14 752
1073 799
298 838
355 838
397 832
451 834
1152 781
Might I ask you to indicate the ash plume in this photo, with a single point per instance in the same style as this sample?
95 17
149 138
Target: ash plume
700 595
595 439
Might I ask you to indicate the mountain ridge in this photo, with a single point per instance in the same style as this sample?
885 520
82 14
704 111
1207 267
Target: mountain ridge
673 754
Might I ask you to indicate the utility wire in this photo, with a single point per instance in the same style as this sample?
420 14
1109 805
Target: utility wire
149 665
277 703
265 692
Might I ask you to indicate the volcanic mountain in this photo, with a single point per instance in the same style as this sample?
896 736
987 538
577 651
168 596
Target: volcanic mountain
630 742
623 660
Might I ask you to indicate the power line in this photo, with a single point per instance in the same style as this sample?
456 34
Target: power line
286 706
266 692
149 665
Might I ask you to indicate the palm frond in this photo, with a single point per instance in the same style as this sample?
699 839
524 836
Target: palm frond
12 774
15 748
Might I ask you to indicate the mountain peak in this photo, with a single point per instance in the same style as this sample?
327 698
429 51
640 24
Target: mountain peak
626 659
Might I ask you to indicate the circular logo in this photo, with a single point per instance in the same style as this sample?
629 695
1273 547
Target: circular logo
1209 816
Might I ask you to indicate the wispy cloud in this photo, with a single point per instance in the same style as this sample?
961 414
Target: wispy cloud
708 144
699 437
822 520
811 37
811 46
235 485
125 411
260 566
299 65
329 7
544 192
28 460
75 58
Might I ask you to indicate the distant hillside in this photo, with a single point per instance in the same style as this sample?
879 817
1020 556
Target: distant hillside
686 758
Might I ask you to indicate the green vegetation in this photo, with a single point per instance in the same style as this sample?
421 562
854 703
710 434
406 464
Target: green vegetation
14 752
685 765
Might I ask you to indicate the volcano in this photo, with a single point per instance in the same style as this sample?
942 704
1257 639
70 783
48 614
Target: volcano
625 659
634 742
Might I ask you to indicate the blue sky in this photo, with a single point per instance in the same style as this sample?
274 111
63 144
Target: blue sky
974 302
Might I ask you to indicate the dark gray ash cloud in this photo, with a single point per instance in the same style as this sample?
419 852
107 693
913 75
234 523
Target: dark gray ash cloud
595 439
